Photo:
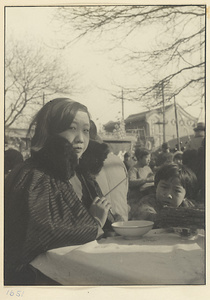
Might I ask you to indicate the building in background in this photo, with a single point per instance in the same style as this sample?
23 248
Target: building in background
148 125
141 129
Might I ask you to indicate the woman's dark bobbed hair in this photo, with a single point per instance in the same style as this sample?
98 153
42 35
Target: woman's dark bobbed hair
53 118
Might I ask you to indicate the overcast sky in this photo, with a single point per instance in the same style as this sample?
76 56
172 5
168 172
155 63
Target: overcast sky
97 71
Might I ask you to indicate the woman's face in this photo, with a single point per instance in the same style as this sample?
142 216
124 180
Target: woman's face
170 192
78 133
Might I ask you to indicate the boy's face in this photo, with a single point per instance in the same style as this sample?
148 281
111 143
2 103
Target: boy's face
170 192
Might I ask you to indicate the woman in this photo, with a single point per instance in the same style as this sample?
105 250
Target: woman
43 209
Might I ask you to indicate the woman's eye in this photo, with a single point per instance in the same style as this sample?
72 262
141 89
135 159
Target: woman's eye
177 191
86 130
72 128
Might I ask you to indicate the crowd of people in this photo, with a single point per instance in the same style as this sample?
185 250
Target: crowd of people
72 188
144 167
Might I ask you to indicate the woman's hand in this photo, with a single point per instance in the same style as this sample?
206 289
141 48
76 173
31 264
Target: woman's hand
99 209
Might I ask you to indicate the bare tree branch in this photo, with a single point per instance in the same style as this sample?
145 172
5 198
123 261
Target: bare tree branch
28 74
178 54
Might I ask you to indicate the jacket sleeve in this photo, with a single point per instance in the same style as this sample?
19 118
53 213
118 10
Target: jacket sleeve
47 213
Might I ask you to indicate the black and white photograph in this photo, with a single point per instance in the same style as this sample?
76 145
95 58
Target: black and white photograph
104 145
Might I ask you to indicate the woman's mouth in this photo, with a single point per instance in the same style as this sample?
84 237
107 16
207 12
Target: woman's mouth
78 149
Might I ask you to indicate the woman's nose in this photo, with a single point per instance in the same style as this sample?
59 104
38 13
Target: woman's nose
79 137
169 196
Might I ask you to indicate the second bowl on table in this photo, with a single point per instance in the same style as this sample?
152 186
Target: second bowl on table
132 229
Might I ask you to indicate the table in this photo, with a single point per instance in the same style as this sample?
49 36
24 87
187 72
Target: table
159 257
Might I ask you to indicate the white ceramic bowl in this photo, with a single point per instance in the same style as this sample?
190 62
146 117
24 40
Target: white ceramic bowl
132 229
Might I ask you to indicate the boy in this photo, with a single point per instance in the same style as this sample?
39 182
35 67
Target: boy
174 184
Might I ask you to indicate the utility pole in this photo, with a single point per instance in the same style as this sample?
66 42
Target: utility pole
177 123
164 127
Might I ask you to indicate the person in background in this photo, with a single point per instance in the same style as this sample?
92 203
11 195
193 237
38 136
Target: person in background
141 178
196 142
190 159
127 157
177 157
152 163
129 160
112 173
141 175
195 160
164 156
175 187
43 208
201 174
179 147
12 158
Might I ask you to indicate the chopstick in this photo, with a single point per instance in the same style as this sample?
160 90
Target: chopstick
115 186
110 213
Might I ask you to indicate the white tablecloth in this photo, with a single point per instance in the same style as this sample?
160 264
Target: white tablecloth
157 258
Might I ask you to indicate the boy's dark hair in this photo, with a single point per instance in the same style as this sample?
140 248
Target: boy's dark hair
186 176
141 152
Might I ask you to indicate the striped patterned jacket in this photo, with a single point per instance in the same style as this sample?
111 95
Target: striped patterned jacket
42 211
